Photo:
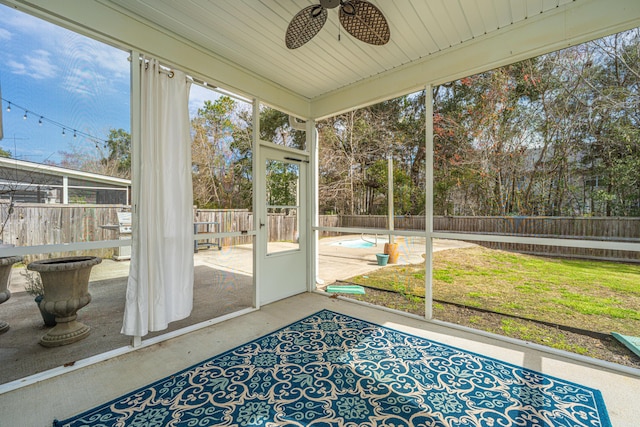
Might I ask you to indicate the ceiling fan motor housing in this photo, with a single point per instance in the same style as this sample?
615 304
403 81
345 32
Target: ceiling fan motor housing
329 4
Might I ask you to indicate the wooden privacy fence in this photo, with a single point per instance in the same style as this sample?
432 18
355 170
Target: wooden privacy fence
39 224
281 227
588 228
33 224
225 221
606 229
400 222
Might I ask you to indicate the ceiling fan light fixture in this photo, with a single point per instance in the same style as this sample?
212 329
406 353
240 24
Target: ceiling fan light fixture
316 11
348 8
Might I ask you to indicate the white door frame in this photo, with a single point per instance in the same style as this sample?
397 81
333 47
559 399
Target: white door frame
285 273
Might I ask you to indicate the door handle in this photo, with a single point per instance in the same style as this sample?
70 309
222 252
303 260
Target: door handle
261 225
293 159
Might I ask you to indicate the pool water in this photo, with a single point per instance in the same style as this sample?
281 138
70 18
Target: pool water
354 244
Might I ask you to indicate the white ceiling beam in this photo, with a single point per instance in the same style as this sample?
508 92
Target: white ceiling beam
571 24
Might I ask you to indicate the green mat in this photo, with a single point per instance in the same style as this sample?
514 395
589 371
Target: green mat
632 343
346 289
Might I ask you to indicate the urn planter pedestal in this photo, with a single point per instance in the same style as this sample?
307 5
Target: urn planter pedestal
6 264
66 290
48 318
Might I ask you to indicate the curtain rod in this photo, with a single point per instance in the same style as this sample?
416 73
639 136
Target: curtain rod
220 90
169 72
165 69
201 83
162 69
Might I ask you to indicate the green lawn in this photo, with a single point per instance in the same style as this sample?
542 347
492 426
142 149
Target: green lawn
599 296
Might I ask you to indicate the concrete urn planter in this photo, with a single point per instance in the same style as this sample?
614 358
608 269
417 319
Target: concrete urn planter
6 264
66 290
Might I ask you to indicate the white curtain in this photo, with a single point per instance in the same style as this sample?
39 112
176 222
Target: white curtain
160 286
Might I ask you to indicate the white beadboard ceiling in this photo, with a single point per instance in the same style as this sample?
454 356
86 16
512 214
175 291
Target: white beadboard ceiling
250 34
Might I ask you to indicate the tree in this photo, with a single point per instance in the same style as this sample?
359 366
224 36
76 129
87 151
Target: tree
274 127
348 148
411 142
221 155
113 158
457 178
354 152
119 146
612 151
554 135
282 179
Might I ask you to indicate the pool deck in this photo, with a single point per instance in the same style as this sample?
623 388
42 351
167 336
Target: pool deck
338 262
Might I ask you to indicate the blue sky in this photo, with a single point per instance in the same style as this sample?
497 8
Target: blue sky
64 77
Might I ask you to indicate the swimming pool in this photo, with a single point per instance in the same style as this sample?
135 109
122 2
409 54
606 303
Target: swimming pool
357 243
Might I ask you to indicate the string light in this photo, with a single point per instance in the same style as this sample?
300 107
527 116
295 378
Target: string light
44 119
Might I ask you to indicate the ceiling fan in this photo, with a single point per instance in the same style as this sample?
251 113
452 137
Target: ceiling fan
359 18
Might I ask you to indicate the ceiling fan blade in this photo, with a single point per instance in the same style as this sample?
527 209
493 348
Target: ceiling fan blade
306 24
365 22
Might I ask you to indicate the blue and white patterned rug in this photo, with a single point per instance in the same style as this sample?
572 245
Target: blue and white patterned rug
333 370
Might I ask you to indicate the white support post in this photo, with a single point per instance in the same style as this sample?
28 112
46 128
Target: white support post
136 341
65 190
390 211
258 252
314 151
428 286
136 161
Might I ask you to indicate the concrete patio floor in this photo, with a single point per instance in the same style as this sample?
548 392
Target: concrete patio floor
217 291
79 389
